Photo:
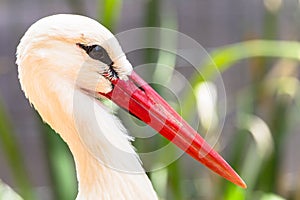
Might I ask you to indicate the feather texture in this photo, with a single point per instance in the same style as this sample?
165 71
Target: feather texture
57 77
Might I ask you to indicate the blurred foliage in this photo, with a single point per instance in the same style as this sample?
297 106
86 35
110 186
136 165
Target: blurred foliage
10 147
109 12
265 111
260 168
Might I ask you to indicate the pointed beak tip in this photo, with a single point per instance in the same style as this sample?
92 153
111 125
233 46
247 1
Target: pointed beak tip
237 180
242 184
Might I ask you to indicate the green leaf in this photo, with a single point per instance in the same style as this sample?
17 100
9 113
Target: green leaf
109 12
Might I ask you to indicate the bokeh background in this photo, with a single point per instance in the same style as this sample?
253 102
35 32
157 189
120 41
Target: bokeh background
254 44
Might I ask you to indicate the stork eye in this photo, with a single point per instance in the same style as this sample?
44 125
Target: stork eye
98 53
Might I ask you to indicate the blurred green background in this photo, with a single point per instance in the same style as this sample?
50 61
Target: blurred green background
254 44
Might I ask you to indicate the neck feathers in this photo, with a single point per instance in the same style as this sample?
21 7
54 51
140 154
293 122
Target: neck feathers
107 166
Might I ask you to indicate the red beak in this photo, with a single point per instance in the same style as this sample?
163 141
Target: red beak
137 97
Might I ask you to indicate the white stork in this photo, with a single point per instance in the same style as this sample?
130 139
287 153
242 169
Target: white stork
66 63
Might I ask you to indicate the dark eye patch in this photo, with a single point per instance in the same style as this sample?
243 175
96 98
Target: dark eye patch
98 53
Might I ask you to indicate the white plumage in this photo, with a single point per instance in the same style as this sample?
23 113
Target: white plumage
59 79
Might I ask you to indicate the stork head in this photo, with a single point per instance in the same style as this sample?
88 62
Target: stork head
79 51
76 48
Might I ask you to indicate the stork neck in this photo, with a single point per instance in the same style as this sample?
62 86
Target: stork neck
106 163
